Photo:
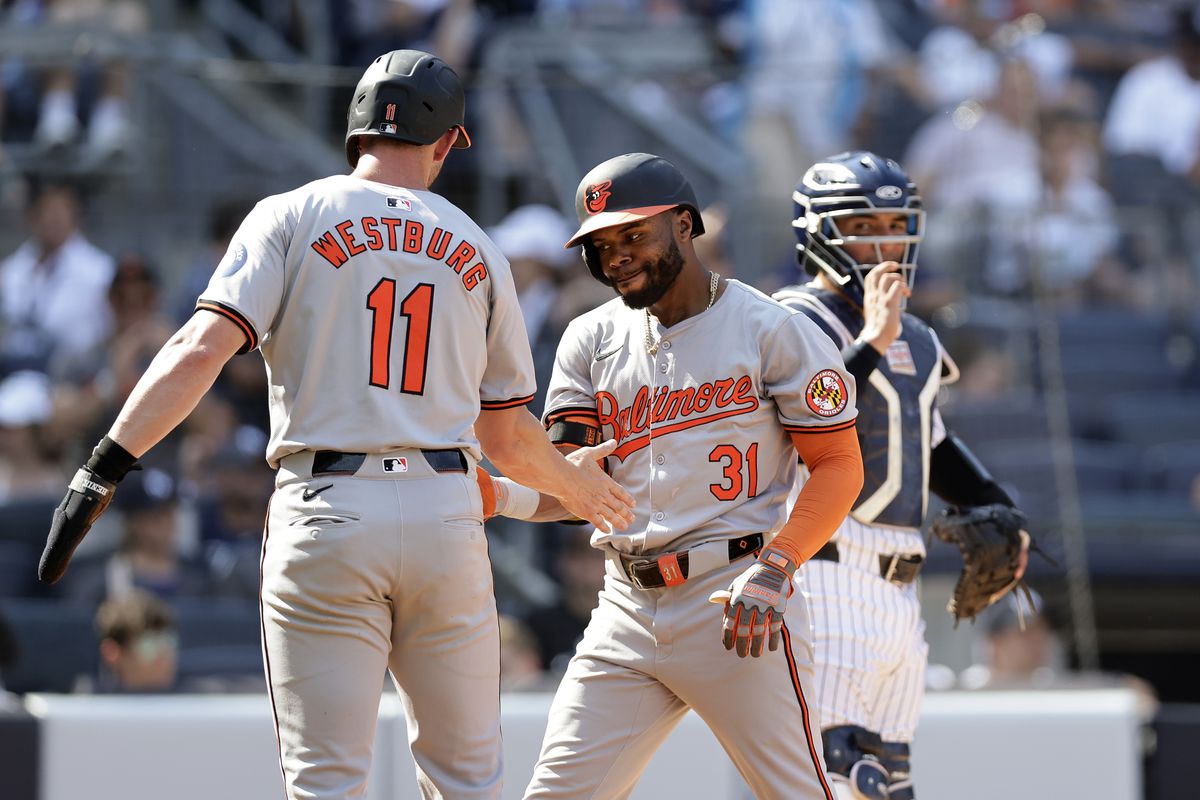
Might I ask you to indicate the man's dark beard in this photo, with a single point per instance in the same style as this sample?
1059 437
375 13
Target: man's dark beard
660 275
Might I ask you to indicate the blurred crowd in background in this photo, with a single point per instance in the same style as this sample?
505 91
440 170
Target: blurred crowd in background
1056 144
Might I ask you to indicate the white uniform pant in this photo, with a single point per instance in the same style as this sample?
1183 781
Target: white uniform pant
870 645
645 658
379 572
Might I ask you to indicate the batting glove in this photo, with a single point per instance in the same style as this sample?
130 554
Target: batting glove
755 602
90 492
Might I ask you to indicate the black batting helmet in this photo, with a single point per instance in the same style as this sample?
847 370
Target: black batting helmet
407 95
627 188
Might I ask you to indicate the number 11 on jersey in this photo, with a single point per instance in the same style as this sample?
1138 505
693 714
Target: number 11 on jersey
417 308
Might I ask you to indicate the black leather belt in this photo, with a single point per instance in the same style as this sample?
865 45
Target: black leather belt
654 573
897 568
331 462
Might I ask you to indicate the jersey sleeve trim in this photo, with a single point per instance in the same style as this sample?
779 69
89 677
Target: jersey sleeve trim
841 426
234 316
497 405
571 411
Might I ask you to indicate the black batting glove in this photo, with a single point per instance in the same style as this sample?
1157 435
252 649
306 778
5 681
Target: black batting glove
89 493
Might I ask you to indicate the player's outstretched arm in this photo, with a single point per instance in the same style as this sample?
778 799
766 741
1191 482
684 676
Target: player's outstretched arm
503 497
516 443
179 376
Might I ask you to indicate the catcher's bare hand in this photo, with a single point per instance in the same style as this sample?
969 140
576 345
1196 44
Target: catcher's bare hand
593 495
884 289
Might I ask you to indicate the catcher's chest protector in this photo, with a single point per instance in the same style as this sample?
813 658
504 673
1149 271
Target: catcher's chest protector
895 412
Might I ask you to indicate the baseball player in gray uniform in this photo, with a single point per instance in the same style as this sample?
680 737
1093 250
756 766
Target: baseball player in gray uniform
709 389
396 352
859 222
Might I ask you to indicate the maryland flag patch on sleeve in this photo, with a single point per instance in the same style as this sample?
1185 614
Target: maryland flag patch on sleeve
826 393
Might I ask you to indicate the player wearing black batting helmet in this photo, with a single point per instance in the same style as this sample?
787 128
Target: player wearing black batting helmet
848 185
626 188
407 95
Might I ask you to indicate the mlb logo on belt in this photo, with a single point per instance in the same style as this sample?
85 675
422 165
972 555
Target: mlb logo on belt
395 464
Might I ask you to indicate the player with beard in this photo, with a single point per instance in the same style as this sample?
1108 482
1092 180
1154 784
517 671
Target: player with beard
710 389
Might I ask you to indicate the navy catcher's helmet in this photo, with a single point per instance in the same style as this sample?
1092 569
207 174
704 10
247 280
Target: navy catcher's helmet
852 184
407 95
627 188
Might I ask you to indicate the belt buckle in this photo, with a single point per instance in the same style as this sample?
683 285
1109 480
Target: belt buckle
629 570
893 563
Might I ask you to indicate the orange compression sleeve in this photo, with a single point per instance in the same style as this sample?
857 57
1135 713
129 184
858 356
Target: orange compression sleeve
836 478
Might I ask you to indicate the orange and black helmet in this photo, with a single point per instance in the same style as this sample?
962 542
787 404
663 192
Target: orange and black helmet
627 188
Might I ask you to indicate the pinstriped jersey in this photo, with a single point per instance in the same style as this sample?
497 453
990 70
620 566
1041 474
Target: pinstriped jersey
898 422
703 426
386 317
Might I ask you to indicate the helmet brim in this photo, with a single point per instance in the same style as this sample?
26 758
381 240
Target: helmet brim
609 219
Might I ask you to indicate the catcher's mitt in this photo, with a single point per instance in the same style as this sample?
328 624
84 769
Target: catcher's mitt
995 549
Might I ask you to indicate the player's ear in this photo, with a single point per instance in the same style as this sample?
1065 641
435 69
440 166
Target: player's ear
683 224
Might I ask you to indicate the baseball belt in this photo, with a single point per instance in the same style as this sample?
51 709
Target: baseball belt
896 568
672 569
331 462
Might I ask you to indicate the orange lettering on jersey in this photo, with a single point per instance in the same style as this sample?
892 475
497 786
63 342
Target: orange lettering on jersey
439 242
348 237
413 232
329 249
672 411
474 276
391 223
370 228
461 255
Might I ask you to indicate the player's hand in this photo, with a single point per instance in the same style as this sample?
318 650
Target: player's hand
754 605
594 496
884 291
87 497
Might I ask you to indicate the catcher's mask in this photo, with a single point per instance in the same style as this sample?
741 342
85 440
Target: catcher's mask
847 185
407 95
627 188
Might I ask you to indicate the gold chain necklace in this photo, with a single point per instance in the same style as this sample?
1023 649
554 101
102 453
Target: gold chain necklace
651 345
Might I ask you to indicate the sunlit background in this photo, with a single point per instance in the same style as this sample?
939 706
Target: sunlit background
1056 144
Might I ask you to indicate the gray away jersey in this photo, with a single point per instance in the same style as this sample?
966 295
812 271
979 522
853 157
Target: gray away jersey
386 318
702 427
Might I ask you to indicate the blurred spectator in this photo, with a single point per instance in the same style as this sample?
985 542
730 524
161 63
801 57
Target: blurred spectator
108 128
1154 119
1016 646
532 239
1075 233
980 177
29 465
8 654
150 556
811 74
94 384
52 289
367 28
231 514
139 645
579 569
223 221
961 59
520 664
